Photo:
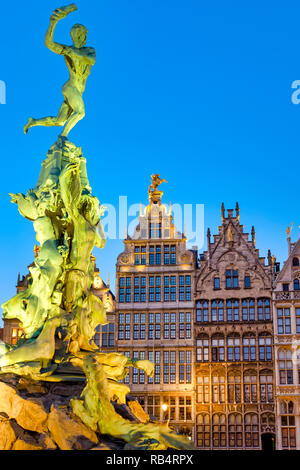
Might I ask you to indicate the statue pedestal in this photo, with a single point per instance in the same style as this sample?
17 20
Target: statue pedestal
59 155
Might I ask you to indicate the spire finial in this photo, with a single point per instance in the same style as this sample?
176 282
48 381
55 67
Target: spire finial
253 235
237 211
222 212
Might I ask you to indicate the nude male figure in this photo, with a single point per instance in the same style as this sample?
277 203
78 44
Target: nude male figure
79 60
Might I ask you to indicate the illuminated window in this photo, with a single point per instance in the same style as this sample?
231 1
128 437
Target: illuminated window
285 367
288 425
203 430
235 430
250 388
203 389
219 430
251 430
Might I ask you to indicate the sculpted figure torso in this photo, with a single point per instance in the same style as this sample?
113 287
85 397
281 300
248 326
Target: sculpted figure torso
79 60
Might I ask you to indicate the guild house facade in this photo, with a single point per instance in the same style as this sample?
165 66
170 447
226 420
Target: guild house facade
154 313
222 329
234 368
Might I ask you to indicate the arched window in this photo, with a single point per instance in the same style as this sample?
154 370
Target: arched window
251 430
288 426
233 348
250 387
217 348
265 347
249 347
219 430
233 310
267 422
202 311
234 388
202 348
266 387
295 261
235 430
203 430
296 284
217 310
285 367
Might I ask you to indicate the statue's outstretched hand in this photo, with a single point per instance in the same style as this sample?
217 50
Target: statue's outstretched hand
62 12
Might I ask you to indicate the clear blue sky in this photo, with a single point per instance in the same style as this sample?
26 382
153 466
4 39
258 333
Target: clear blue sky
199 92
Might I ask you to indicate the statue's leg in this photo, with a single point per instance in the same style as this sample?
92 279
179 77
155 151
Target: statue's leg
58 120
75 101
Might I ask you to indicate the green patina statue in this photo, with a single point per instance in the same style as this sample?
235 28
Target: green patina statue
79 60
58 311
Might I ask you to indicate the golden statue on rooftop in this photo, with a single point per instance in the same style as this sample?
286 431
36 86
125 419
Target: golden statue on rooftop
154 193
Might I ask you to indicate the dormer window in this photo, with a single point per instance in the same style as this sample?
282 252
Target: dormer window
247 282
285 287
295 261
155 230
216 283
232 278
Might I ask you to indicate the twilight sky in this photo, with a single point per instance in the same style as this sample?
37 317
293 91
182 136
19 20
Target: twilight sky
199 92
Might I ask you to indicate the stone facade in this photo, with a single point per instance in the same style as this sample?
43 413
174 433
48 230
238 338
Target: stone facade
234 341
222 328
286 308
154 314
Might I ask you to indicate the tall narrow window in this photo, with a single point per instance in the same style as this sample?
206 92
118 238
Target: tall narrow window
250 388
297 312
219 430
248 309
249 348
218 389
296 284
173 254
247 282
235 430
203 430
234 388
288 425
202 351
217 350
217 310
166 288
233 349
216 283
283 321
233 310
265 348
251 430
266 387
202 311
203 389
263 309
173 288
285 367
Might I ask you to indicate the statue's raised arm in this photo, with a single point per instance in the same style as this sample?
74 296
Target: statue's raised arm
57 15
